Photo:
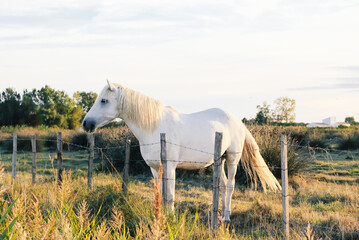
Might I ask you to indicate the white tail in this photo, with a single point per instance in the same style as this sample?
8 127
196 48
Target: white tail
255 166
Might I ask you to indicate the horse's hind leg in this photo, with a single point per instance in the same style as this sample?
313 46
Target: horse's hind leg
223 187
232 163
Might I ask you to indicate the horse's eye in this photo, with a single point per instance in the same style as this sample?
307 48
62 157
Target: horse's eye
104 100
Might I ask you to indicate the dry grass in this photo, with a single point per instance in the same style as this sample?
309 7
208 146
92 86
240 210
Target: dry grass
74 212
326 197
48 211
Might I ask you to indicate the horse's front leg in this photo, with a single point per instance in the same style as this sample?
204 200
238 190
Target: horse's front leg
155 176
154 173
171 180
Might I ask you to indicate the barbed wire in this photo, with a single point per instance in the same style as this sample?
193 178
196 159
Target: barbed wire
187 147
311 150
190 148
326 150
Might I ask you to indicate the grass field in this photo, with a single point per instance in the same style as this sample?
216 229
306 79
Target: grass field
46 162
326 196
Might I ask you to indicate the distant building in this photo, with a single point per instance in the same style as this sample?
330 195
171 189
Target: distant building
328 122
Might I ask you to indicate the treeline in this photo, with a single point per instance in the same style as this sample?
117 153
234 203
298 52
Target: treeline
47 106
283 113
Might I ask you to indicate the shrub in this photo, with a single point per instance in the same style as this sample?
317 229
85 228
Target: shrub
318 142
350 141
51 141
269 142
300 134
23 144
79 139
111 149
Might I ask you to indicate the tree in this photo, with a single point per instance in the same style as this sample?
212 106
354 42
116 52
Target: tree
10 101
57 108
46 106
350 120
29 110
284 111
247 122
85 100
264 114
75 118
47 102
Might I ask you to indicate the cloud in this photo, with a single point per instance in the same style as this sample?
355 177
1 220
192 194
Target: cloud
348 68
348 84
63 23
119 21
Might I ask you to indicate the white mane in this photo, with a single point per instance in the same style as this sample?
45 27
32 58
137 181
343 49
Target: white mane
142 110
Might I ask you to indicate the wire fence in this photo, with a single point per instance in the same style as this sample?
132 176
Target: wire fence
75 157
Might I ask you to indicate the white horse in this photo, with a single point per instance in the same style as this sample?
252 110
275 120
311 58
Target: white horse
147 118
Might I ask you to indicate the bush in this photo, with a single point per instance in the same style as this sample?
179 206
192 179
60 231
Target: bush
300 134
23 144
111 151
51 141
269 142
350 141
79 140
318 142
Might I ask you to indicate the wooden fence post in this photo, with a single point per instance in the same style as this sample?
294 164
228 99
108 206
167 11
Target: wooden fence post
164 168
59 158
33 146
14 154
127 164
91 141
285 200
216 176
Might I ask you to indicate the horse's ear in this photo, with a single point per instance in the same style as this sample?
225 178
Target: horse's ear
110 85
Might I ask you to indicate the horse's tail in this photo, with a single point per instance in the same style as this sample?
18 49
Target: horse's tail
255 166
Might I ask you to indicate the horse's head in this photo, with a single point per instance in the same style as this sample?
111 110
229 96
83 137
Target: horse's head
105 108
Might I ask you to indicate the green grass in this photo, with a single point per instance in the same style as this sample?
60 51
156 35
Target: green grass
47 161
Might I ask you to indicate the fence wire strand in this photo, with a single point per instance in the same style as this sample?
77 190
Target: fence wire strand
311 151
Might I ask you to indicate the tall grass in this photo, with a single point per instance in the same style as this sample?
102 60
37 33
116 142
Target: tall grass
350 141
5 227
71 211
269 142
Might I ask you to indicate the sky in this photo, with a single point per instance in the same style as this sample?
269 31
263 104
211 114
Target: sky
190 54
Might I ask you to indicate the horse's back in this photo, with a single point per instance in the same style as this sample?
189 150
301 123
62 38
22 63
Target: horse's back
214 118
198 130
191 137
209 114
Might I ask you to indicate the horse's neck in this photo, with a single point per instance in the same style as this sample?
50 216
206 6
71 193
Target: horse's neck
139 110
153 136
142 136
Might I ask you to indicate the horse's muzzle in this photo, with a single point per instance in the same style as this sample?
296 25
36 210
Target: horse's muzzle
89 124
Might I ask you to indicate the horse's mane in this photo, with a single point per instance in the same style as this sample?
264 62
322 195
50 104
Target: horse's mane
142 110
